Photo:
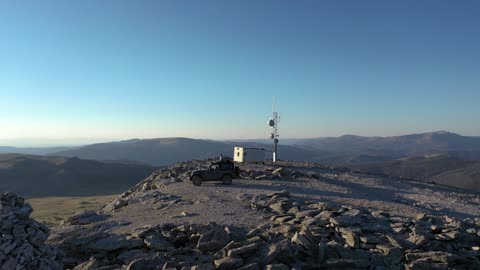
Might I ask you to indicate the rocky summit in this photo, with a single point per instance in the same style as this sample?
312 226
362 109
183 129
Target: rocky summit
22 245
283 216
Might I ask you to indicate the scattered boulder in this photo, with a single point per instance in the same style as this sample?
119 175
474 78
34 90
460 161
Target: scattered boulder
157 242
279 266
278 207
250 248
85 217
227 263
149 263
213 240
115 205
115 242
281 251
91 264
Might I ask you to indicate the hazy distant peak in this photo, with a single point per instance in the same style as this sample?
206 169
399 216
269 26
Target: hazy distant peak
130 140
348 136
442 132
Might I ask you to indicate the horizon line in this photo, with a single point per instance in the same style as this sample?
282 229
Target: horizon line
112 140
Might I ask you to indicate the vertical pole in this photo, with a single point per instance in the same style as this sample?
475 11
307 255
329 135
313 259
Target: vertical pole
275 131
275 151
273 104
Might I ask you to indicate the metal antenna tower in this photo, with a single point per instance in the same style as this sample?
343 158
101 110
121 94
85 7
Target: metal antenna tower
273 123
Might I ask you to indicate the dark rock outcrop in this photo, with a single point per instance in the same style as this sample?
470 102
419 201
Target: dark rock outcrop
22 241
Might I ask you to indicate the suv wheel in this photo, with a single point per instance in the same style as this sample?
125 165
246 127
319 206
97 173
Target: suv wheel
197 180
227 179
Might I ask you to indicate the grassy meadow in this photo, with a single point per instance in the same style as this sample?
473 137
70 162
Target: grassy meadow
52 210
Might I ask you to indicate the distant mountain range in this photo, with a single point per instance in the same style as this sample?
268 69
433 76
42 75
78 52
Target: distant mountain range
337 150
344 149
398 146
32 150
39 176
446 157
164 151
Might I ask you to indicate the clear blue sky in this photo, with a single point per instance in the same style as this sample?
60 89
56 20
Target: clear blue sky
208 69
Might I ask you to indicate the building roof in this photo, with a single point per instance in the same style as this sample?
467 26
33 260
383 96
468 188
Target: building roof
251 148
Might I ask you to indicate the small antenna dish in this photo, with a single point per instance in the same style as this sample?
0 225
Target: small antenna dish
271 122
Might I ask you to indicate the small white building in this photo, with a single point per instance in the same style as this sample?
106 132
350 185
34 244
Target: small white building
243 154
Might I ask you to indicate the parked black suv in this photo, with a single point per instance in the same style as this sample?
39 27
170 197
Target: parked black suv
223 170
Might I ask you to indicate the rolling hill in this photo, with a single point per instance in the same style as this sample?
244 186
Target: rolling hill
32 150
441 169
38 176
421 167
467 178
398 146
165 151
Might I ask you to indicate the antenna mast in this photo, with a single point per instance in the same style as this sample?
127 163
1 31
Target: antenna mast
273 123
